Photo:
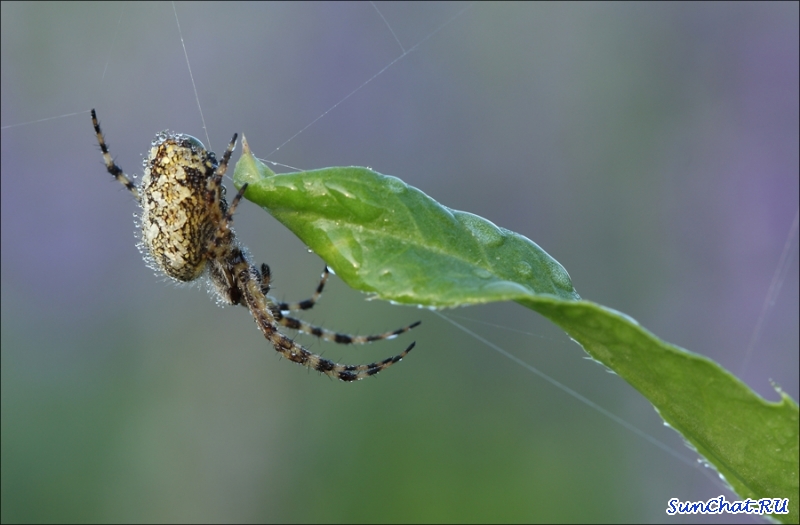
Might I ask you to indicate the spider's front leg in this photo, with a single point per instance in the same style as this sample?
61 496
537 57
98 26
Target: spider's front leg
215 188
222 253
111 166
222 250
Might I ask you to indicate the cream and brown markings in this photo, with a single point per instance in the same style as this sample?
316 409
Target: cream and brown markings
177 222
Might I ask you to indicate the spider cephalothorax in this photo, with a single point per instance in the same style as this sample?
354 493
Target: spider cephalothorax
186 234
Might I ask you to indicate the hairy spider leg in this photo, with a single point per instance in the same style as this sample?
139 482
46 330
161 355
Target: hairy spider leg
300 305
222 168
251 282
317 331
111 166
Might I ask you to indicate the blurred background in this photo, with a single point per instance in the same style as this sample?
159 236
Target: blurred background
652 149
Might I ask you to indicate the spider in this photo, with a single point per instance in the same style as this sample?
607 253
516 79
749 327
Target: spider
186 234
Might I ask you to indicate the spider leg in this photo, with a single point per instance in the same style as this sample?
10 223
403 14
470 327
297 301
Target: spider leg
263 315
336 337
266 278
216 181
308 303
223 240
223 253
111 166
250 285
322 333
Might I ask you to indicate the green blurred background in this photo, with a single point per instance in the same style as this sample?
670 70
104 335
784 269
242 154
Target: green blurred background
651 148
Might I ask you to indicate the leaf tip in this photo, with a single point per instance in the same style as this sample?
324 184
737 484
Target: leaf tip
248 168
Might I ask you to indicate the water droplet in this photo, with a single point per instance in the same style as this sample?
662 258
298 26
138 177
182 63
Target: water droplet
195 142
395 185
505 288
523 269
559 275
484 231
482 273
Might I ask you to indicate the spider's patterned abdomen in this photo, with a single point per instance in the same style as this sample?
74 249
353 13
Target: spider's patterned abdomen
177 221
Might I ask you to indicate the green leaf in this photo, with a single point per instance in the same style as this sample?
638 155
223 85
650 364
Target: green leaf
384 237
752 442
389 239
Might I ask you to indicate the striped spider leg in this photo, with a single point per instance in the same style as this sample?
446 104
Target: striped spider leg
322 333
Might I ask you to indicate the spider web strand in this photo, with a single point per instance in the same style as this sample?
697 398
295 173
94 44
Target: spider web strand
390 27
28 123
772 293
373 77
610 415
188 65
